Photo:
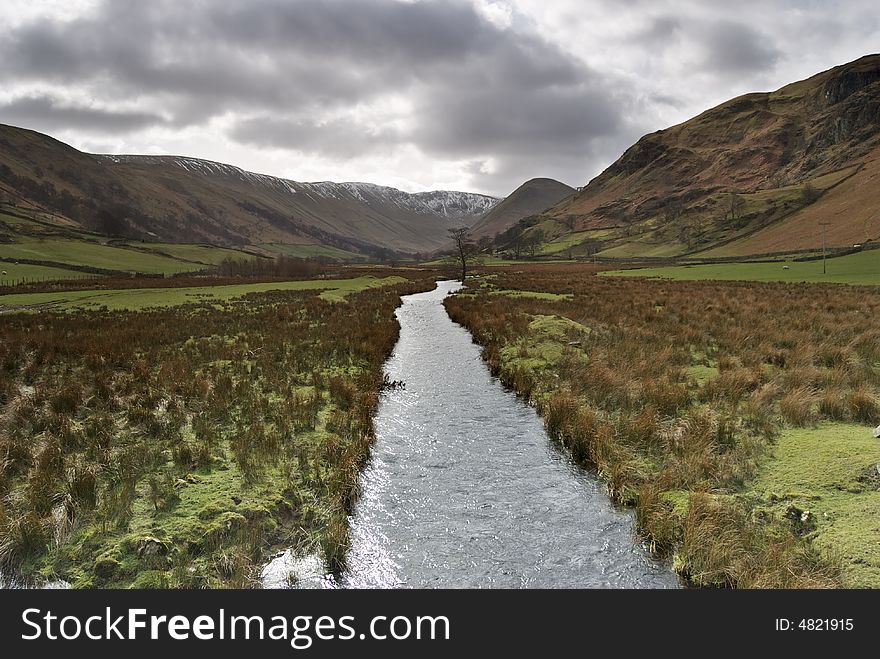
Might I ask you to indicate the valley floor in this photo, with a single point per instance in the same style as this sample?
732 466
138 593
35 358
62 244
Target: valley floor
176 437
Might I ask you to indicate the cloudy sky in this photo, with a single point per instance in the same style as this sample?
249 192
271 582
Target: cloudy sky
457 94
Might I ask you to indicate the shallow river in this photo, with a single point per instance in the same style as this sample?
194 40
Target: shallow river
465 490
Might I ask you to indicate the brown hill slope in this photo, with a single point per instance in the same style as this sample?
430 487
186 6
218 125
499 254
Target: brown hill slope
755 174
532 197
179 199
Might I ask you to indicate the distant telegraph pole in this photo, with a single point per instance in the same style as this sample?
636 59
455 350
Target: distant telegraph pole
824 226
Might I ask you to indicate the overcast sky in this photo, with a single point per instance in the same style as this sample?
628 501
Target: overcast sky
456 94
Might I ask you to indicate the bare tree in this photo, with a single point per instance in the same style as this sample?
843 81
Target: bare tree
673 210
591 247
687 232
464 249
533 241
735 205
809 193
516 245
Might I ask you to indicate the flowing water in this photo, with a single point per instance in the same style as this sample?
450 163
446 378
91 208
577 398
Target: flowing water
465 490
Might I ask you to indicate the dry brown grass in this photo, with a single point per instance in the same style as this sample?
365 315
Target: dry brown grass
273 394
624 399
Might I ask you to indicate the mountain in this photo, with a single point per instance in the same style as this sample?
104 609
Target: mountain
179 199
760 173
532 197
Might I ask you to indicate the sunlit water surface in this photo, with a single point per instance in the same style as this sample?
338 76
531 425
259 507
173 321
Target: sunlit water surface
464 488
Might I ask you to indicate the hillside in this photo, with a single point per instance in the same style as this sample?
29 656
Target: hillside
756 174
190 200
532 197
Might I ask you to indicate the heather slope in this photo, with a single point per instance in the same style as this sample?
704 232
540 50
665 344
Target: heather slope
753 175
532 197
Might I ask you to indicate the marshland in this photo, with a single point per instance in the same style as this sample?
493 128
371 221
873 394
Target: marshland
735 417
185 443
178 446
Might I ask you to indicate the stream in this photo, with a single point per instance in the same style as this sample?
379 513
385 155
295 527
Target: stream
465 489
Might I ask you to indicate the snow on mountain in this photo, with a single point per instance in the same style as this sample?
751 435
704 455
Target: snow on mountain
444 203
447 204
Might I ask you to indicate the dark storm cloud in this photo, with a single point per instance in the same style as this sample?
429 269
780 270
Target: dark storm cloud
266 53
48 114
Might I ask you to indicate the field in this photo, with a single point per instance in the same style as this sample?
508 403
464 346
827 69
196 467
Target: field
312 251
50 242
96 255
24 272
822 473
182 446
859 268
568 241
198 254
135 299
735 417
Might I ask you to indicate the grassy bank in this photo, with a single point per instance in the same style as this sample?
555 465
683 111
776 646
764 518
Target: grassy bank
713 408
179 447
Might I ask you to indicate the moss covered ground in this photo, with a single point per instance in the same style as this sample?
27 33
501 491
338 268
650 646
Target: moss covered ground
828 477
181 446
736 417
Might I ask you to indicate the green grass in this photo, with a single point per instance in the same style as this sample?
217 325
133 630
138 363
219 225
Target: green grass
571 240
830 471
31 273
312 251
209 254
859 268
138 299
543 346
15 221
643 249
96 255
702 373
537 295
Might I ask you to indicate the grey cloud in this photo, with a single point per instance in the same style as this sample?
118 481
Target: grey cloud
513 121
339 138
660 32
735 48
250 54
46 113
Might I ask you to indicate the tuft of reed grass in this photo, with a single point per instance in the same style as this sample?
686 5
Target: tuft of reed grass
763 355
